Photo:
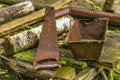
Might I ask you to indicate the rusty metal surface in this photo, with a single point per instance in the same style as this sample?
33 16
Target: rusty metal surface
74 32
95 14
86 38
84 13
47 55
61 13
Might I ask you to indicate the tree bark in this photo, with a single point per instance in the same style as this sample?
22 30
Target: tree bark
14 11
37 3
30 19
30 38
10 1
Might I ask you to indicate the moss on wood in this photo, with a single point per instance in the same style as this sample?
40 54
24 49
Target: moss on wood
66 72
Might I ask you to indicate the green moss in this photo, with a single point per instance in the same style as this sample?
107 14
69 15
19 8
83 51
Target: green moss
116 29
66 72
94 7
66 53
27 55
74 63
117 52
10 74
66 58
113 76
118 66
112 50
2 5
2 51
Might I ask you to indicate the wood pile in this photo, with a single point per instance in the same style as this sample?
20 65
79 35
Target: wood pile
20 28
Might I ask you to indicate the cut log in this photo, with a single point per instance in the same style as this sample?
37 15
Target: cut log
14 11
10 1
30 19
30 38
37 3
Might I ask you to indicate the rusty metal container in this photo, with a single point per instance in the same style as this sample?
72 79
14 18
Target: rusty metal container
86 38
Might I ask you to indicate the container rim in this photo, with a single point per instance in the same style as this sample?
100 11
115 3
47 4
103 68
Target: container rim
88 41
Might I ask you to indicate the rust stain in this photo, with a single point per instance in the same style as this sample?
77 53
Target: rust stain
86 38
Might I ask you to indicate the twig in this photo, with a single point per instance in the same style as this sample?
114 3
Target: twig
3 73
5 58
116 70
104 75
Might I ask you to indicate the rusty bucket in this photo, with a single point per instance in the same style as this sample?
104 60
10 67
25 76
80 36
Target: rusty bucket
86 38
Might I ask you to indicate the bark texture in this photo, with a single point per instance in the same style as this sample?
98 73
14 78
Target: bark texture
14 11
30 19
30 38
37 3
10 1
